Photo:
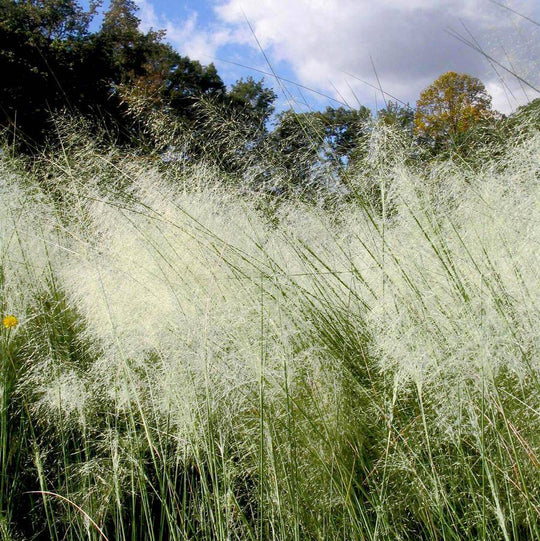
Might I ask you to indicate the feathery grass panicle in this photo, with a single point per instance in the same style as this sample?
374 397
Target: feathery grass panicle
192 367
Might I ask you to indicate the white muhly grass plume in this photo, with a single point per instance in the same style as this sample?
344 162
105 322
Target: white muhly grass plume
172 289
64 397
186 292
462 288
29 242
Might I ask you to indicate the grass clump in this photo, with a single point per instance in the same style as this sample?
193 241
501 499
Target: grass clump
191 363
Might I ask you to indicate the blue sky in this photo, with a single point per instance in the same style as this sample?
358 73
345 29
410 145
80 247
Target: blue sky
346 48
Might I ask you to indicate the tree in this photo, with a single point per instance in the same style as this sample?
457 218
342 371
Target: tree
399 116
41 51
253 99
527 116
317 148
451 106
187 81
50 61
127 49
235 124
343 131
297 143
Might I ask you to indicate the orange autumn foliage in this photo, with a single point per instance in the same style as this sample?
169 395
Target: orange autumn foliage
450 106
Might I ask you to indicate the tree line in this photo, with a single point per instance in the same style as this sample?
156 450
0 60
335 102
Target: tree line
147 96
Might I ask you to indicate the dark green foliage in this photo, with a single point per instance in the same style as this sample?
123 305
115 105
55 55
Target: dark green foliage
187 81
527 118
343 130
50 61
42 46
297 140
253 98
401 116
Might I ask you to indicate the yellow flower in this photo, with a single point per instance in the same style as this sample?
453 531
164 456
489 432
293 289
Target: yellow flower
10 321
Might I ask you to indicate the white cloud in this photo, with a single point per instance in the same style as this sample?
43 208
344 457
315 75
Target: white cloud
406 40
148 16
195 42
185 35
